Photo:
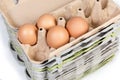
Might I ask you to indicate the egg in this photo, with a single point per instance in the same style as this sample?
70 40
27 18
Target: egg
57 36
77 26
46 21
27 34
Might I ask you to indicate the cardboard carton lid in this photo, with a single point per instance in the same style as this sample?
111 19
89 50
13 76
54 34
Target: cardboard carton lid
28 11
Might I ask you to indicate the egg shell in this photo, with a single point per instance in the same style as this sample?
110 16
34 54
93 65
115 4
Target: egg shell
57 36
27 34
77 26
46 21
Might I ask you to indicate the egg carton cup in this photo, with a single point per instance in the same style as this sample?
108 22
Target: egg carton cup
77 58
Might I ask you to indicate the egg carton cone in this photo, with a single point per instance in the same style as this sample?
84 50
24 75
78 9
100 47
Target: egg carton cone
75 59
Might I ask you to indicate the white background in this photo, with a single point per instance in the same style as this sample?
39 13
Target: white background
11 70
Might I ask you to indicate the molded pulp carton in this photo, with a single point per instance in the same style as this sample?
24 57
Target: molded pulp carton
79 57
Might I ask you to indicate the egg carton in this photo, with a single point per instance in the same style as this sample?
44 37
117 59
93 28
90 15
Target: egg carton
106 48
86 46
77 58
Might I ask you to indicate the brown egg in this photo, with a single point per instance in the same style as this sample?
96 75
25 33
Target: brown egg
77 26
57 36
27 34
46 21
